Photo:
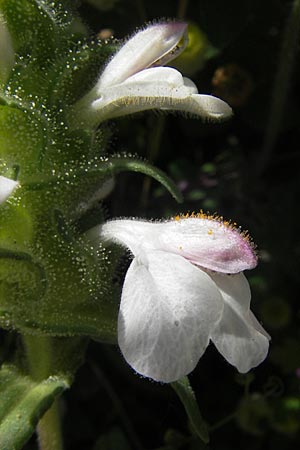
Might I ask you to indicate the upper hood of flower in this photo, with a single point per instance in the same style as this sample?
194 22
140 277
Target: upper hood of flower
154 46
205 241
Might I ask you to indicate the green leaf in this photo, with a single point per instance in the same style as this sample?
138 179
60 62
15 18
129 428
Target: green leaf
105 169
21 140
23 403
54 281
76 71
187 396
123 164
41 32
36 26
68 293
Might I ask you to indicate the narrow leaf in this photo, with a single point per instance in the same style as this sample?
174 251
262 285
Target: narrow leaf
123 164
187 396
23 403
108 167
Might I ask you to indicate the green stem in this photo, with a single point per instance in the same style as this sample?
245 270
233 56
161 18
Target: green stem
39 351
286 62
187 396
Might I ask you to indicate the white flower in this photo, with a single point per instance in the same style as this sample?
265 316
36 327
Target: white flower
7 186
185 287
134 80
7 57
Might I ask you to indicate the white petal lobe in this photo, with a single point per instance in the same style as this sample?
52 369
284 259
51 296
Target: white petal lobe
158 88
238 336
168 310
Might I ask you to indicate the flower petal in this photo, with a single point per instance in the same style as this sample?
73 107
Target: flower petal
238 336
158 88
141 51
205 242
167 312
162 78
206 106
130 233
7 186
209 243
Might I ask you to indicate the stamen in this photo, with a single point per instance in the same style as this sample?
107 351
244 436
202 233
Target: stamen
171 54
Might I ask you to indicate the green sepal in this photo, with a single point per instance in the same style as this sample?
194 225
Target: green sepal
23 403
21 269
53 281
16 229
75 71
186 394
42 32
21 141
37 27
64 289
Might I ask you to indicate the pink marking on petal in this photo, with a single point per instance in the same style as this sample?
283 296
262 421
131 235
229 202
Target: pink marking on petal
209 242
